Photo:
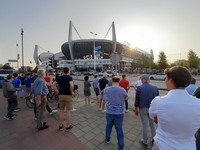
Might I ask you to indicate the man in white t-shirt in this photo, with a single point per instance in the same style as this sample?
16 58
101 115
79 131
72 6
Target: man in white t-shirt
138 83
176 113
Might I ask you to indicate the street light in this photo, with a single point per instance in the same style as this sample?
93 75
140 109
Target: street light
94 34
17 57
22 33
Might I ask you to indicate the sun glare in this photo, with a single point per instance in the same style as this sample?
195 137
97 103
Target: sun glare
142 37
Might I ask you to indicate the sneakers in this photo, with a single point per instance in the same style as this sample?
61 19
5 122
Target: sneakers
103 111
13 116
53 112
17 109
60 128
43 127
69 128
145 145
126 111
73 109
107 141
8 118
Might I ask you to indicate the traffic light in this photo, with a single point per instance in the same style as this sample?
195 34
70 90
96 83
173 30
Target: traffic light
50 63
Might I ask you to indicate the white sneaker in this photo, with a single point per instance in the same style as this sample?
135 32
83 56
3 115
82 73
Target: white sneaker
103 111
73 109
126 111
53 112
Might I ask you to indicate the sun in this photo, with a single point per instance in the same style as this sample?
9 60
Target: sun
143 37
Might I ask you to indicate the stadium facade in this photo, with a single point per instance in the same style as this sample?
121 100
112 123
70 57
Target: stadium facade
95 54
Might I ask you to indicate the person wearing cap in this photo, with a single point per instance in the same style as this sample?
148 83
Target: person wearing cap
115 97
144 95
103 82
177 113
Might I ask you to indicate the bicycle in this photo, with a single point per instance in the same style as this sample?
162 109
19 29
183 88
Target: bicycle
76 95
30 101
52 96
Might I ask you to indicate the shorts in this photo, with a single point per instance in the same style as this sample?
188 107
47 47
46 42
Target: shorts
28 90
96 90
102 96
65 101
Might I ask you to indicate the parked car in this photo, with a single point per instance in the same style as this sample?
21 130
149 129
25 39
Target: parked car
2 78
108 72
158 76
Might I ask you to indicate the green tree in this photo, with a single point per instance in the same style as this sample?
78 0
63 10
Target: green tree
145 61
162 62
193 59
7 66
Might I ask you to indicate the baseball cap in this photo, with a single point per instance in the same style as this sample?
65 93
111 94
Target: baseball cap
145 77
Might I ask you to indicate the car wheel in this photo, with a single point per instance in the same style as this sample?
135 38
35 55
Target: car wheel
151 78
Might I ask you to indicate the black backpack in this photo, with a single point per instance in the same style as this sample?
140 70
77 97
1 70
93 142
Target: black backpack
5 90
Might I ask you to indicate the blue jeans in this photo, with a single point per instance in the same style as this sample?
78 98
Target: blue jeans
117 121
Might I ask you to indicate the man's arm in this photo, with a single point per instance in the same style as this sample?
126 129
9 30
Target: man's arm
54 87
71 83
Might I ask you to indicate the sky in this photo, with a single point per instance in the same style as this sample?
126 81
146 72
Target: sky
172 26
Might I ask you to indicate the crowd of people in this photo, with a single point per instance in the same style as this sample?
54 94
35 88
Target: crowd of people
174 119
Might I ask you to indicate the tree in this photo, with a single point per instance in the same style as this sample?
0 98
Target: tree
145 61
6 66
193 59
162 62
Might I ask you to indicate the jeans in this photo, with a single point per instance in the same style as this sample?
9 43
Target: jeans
117 121
12 103
144 115
126 104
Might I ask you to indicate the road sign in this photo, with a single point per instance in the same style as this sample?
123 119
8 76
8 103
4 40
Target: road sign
114 57
12 60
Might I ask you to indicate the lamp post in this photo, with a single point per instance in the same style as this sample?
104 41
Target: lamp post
22 33
94 34
17 57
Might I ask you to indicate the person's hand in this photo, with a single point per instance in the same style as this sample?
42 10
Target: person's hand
136 112
73 93
39 102
155 119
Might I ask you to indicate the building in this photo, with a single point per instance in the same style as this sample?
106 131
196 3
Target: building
96 54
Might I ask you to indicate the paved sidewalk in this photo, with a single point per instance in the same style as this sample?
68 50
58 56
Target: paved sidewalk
88 132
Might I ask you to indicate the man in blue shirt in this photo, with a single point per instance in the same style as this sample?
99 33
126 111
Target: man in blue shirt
144 95
95 86
17 84
115 97
40 91
27 82
192 87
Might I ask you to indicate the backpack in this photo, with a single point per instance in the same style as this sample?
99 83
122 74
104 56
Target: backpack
5 91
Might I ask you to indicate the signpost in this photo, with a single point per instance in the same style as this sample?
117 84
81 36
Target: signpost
114 57
12 60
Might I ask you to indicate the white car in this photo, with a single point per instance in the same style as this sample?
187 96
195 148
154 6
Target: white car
158 76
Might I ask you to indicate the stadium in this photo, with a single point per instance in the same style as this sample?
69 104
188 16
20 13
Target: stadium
96 54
